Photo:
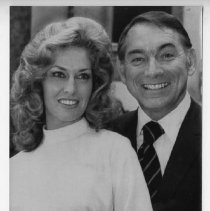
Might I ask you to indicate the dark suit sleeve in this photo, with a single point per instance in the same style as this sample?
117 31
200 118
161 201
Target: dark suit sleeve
183 190
188 195
176 205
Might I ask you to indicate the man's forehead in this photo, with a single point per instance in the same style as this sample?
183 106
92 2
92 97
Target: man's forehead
145 29
150 35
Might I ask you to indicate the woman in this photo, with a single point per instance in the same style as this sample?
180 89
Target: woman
59 107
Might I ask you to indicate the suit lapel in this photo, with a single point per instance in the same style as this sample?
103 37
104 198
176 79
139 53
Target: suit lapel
131 129
184 151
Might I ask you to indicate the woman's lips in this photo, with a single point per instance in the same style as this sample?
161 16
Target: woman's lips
68 102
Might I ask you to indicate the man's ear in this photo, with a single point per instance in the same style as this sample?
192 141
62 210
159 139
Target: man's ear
191 61
121 70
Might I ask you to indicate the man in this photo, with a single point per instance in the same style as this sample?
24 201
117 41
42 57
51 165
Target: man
156 57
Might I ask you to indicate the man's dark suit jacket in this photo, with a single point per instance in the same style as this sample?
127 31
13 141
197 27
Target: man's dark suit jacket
181 186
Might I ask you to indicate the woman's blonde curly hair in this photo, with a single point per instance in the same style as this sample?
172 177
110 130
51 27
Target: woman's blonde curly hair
27 103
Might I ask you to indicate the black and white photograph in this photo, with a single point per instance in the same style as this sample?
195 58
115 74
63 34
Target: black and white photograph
106 107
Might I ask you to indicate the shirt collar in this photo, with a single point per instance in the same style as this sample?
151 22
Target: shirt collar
175 118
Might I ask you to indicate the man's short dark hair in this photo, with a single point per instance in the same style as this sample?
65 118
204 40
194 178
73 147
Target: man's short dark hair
159 19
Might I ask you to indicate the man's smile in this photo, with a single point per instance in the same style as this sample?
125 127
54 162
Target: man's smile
155 86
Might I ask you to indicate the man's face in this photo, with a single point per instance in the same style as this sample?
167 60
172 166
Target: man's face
156 68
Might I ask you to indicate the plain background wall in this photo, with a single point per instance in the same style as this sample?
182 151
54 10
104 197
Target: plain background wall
192 20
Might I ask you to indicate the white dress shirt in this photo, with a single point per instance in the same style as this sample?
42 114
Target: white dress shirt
171 124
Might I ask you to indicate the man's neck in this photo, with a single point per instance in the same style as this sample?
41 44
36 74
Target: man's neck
159 113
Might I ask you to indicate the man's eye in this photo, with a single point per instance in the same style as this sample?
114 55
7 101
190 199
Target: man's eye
168 56
137 61
58 75
84 76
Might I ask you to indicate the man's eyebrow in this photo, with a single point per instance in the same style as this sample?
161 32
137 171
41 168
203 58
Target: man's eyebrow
135 51
166 45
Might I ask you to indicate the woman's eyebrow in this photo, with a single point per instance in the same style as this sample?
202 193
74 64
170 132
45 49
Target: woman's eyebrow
59 67
85 69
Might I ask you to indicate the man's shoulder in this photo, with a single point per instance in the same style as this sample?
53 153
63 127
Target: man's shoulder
124 121
196 107
128 116
195 112
191 128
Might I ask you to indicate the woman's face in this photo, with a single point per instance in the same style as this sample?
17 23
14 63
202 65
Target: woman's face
67 87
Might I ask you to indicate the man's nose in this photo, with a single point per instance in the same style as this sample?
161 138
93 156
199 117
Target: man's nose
70 85
153 68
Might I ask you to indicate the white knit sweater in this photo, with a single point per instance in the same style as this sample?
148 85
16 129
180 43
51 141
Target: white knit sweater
78 169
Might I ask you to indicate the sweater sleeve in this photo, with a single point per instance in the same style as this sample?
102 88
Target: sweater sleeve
129 187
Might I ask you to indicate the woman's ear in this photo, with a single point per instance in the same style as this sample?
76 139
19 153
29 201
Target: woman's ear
191 61
121 70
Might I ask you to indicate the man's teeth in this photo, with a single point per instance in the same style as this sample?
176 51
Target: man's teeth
68 102
155 86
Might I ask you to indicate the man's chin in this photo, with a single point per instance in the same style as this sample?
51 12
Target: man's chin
155 105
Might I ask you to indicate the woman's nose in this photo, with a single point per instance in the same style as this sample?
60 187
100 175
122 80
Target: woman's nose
70 85
153 68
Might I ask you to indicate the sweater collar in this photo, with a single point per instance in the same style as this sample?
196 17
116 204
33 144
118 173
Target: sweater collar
67 133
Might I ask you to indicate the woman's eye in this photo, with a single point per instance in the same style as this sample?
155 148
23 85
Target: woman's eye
84 76
58 75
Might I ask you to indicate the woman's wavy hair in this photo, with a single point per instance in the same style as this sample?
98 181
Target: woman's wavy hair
27 103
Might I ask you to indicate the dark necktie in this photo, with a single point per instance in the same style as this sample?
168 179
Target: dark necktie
148 158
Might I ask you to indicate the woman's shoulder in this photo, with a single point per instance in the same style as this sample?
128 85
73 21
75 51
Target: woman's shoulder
17 164
114 145
110 134
21 159
111 138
